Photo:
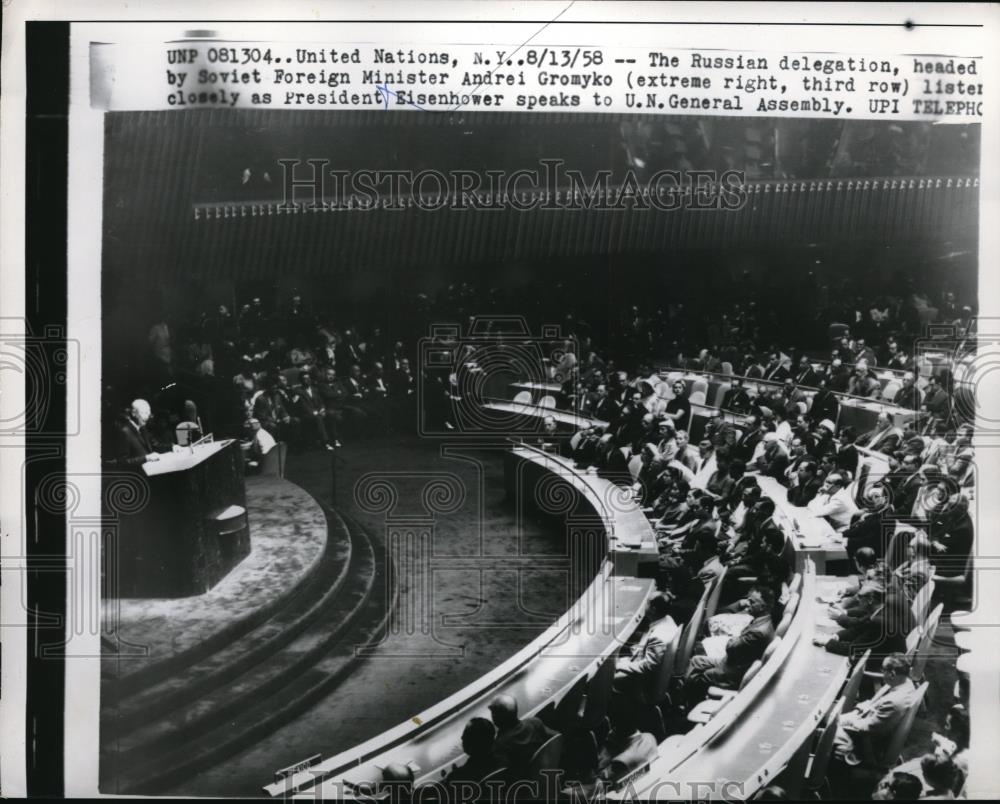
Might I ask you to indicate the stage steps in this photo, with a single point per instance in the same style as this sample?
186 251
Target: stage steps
229 700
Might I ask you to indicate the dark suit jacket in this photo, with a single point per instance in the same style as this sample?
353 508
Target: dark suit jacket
801 495
736 399
748 646
132 445
515 746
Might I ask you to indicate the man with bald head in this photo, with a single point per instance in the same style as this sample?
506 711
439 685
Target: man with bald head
133 444
517 739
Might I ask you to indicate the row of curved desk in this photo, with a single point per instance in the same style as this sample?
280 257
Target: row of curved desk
741 748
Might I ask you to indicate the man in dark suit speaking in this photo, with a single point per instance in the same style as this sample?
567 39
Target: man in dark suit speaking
133 444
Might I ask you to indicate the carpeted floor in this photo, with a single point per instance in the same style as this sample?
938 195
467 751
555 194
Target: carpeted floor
288 535
486 587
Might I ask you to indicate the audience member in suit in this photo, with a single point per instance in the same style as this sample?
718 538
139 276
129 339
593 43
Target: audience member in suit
905 485
885 437
778 368
873 527
898 786
951 532
627 748
774 461
911 576
807 484
478 738
741 651
909 396
834 502
881 628
606 408
274 416
791 398
936 406
840 378
312 409
862 383
870 587
847 454
876 718
825 404
636 673
736 398
754 431
517 738
804 374
797 454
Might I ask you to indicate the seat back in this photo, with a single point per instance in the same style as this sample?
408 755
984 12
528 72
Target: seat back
785 624
547 757
891 389
772 646
574 441
522 398
634 467
661 682
595 707
697 398
720 394
699 385
824 749
796 583
547 401
860 483
921 602
727 368
792 605
852 687
691 632
926 644
752 670
712 605
913 641
894 746
896 552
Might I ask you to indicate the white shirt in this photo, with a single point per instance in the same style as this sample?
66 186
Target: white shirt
784 433
838 507
263 442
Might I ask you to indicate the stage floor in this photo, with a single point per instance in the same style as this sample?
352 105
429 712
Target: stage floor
288 534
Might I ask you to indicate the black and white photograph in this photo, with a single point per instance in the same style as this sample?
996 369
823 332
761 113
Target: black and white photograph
430 432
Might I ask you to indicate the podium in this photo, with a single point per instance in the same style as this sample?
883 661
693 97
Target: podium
192 532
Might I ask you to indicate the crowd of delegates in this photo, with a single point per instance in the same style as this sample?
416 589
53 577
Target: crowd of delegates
288 374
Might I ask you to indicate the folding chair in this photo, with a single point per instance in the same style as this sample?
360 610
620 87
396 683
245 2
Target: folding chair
894 747
814 780
691 633
852 686
921 602
712 605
